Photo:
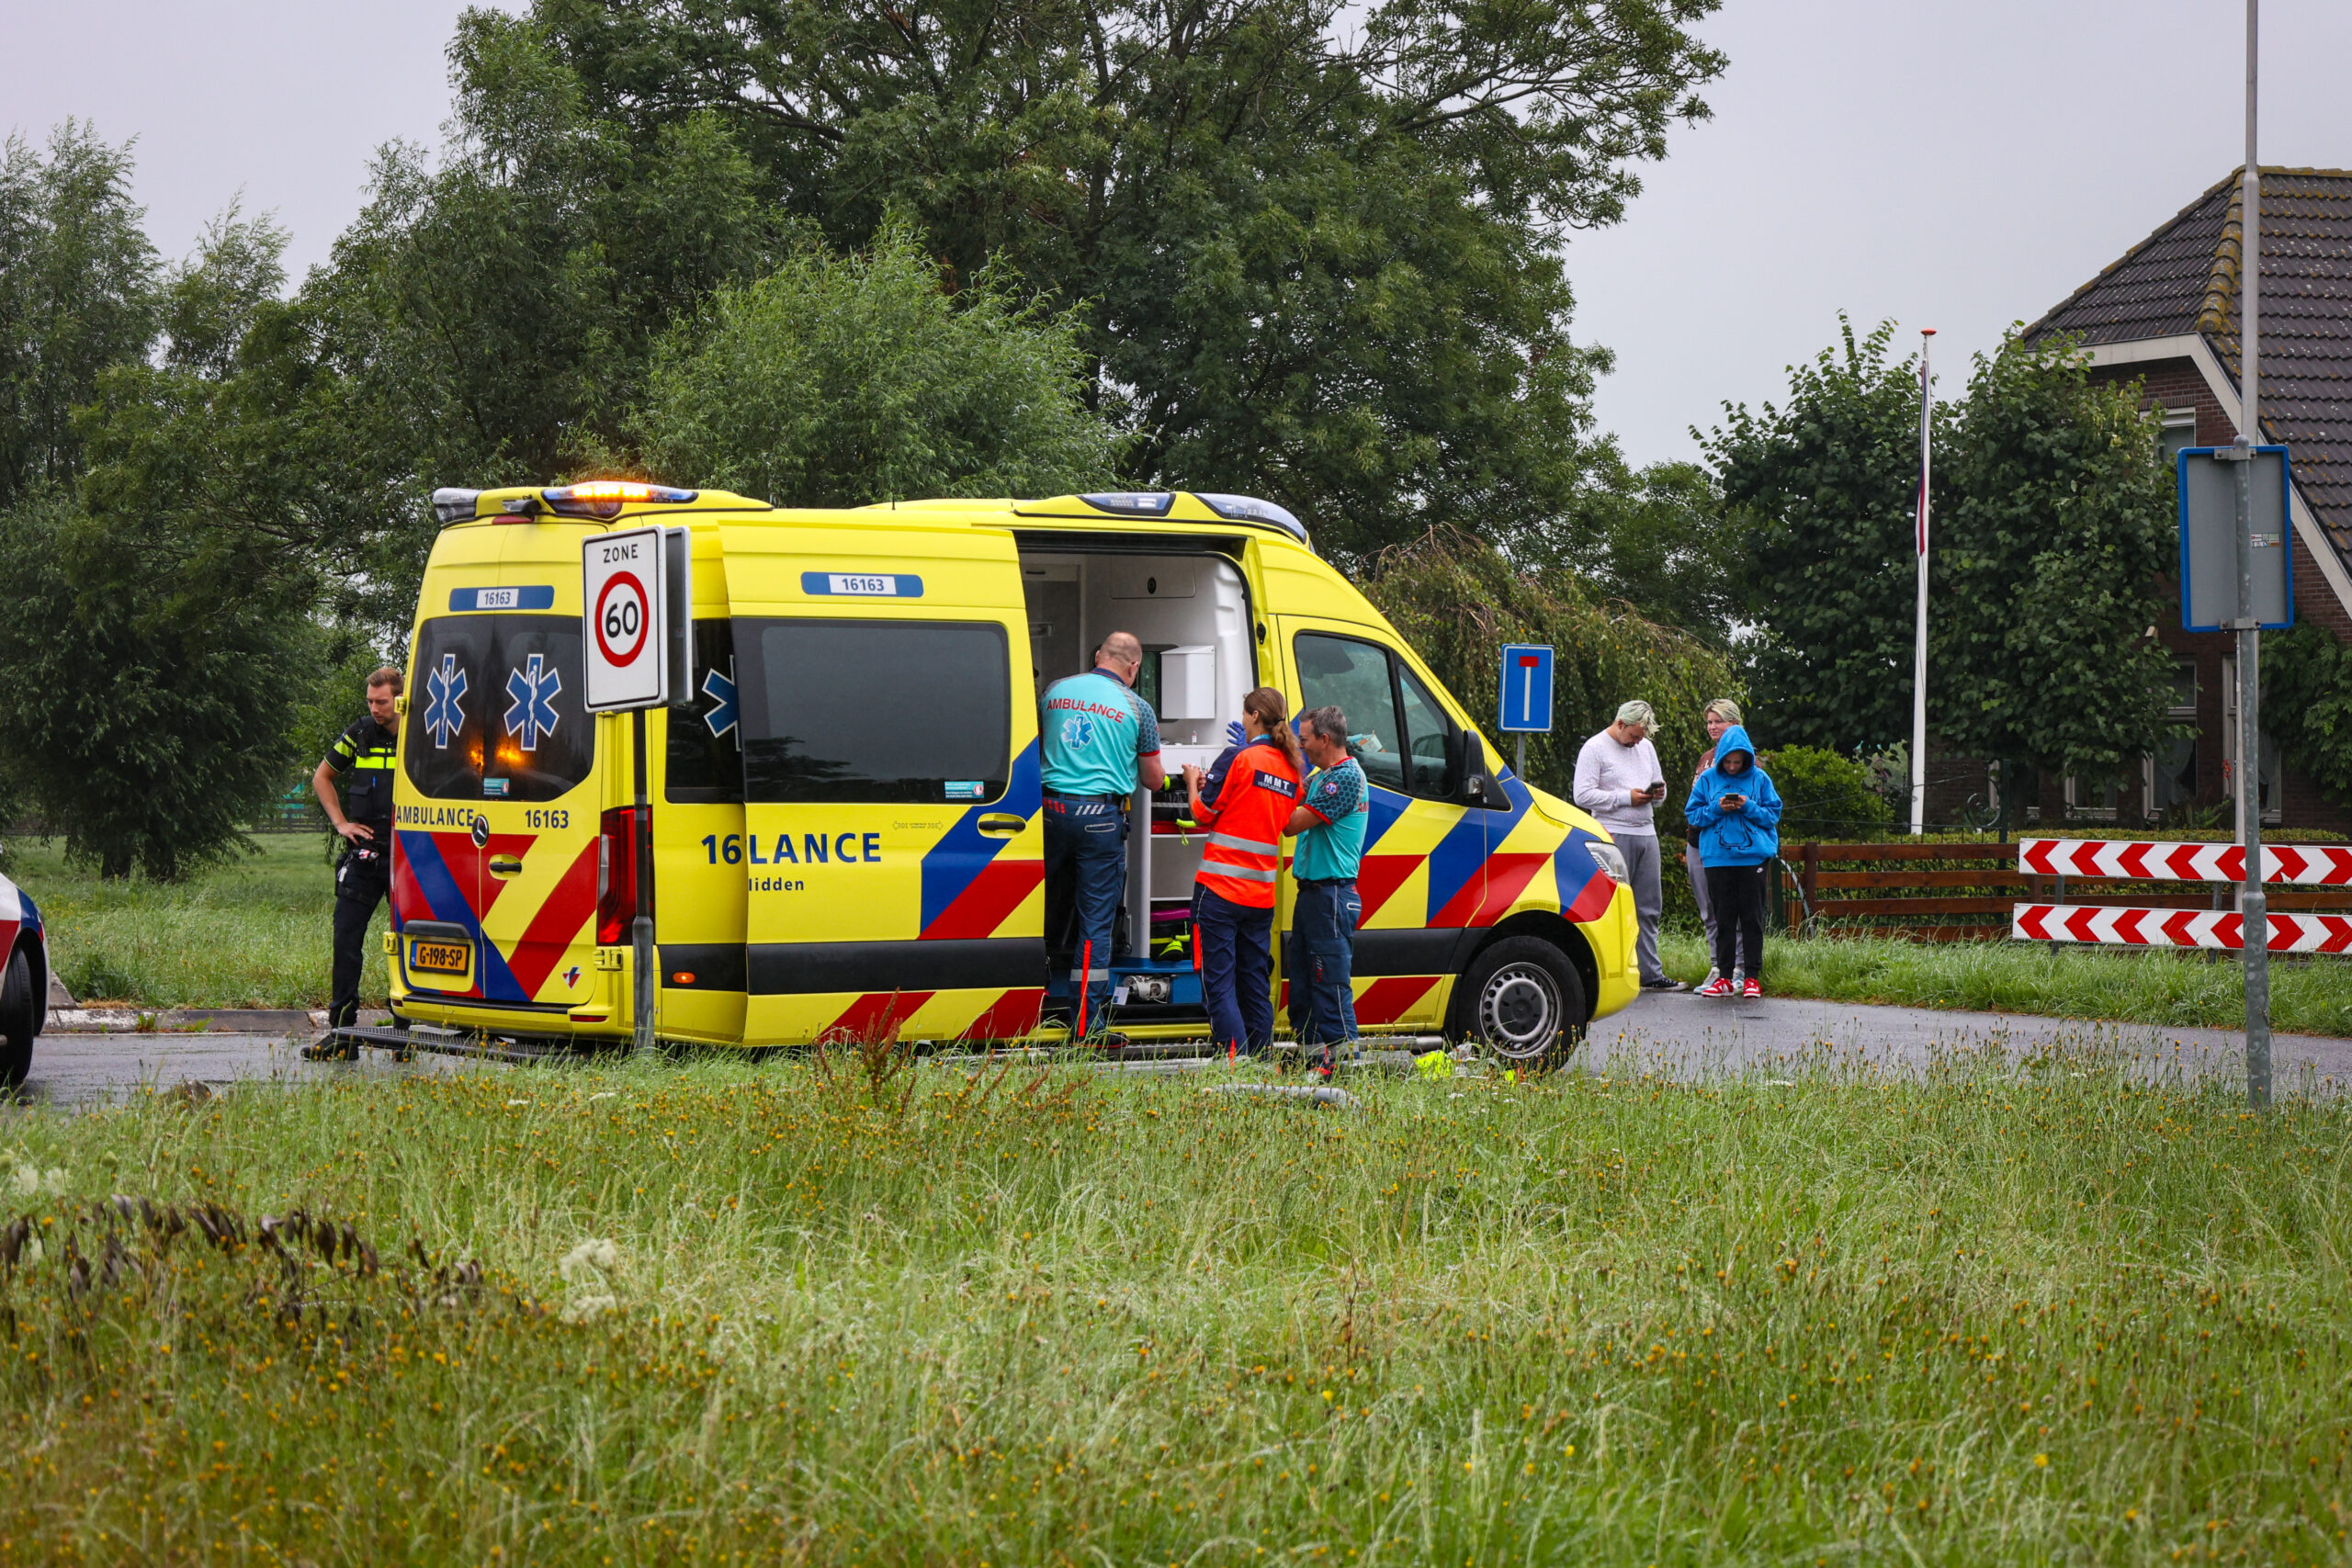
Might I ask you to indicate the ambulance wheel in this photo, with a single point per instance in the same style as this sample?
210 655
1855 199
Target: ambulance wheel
18 1018
1523 1001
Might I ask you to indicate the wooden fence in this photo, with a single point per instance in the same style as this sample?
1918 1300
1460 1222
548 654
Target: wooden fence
1964 892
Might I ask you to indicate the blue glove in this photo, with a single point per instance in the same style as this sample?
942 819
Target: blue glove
1234 735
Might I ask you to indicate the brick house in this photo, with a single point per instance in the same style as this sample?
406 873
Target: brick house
2166 314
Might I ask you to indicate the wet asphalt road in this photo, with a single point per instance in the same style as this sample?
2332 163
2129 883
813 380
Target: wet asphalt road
1680 1033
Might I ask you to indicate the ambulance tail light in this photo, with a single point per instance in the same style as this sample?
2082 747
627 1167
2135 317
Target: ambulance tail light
605 498
617 873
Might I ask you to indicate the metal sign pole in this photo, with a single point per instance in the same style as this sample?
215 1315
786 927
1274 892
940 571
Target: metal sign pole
2253 912
648 979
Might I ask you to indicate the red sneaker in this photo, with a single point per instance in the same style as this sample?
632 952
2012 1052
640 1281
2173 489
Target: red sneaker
1750 990
1718 986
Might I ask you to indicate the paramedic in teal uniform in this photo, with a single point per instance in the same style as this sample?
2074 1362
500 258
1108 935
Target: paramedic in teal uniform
1334 808
1098 739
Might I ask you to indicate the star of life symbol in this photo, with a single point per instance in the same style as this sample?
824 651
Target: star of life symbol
443 716
721 690
1078 731
532 714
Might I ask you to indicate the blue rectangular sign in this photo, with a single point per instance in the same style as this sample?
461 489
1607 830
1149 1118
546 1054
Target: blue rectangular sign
1526 689
2208 538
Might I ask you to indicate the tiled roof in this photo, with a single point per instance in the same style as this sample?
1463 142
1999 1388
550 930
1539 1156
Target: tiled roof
2184 278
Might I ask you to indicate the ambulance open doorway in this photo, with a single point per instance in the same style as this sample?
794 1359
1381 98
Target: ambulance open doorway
1191 613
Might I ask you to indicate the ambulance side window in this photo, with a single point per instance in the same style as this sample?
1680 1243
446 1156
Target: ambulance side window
1352 676
705 748
917 712
1426 730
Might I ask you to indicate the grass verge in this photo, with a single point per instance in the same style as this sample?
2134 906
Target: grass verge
2308 996
2004 1312
254 932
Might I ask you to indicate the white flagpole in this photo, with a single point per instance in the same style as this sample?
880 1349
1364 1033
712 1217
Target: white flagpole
1919 650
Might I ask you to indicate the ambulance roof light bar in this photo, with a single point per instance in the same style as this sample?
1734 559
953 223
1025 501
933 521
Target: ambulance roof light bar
605 498
453 505
1133 503
1250 509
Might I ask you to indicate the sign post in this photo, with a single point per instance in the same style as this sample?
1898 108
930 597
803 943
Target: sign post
636 604
1526 707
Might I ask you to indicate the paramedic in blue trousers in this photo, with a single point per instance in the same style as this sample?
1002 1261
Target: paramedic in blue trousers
1334 808
1098 739
1246 812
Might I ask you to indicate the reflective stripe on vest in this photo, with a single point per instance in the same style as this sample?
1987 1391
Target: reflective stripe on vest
1242 859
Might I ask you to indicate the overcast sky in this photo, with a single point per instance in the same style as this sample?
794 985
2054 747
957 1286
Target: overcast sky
1953 164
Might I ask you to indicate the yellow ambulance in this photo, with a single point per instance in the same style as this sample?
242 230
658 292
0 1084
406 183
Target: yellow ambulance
844 814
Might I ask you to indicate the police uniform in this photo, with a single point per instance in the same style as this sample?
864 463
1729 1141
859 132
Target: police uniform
1233 894
1095 732
365 755
1323 919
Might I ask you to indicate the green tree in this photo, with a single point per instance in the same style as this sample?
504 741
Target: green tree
1825 488
838 380
1826 795
149 736
1320 255
1660 539
2307 703
76 295
2051 558
1457 601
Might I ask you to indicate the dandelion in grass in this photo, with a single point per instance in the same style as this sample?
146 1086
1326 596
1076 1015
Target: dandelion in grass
587 1271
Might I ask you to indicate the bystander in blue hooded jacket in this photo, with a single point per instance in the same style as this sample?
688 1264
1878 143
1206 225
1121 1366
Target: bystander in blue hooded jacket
1749 836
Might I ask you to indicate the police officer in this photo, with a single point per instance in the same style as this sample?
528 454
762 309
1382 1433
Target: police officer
1098 739
1334 809
364 876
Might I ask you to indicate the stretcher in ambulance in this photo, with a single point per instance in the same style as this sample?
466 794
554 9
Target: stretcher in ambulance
844 812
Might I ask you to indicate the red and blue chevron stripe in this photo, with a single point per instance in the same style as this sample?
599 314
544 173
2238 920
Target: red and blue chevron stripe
969 888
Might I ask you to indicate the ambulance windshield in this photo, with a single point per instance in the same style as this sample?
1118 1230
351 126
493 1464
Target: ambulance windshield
874 711
493 712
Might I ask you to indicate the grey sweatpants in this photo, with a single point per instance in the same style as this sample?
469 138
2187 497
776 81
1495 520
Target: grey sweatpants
1706 904
1642 865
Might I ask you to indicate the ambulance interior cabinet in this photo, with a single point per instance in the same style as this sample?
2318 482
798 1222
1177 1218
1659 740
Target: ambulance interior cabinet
1188 682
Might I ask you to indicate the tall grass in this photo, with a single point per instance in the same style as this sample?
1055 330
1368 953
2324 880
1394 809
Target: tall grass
255 932
2308 996
2063 1308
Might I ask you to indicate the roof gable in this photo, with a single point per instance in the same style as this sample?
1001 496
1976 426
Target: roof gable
2184 279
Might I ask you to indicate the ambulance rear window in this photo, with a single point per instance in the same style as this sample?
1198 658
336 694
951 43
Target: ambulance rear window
874 711
494 711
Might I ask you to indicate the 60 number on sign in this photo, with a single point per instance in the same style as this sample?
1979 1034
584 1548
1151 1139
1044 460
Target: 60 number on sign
623 585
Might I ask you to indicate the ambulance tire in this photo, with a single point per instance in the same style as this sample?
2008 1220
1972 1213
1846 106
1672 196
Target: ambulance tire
20 1017
1522 999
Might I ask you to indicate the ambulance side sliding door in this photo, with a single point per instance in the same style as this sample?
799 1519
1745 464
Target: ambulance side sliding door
1423 875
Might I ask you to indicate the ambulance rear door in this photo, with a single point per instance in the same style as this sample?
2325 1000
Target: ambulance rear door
495 887
893 851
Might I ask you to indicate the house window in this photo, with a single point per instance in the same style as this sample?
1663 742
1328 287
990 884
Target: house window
2178 429
2169 778
2092 798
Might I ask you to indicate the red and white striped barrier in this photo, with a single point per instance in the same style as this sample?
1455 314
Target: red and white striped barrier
2175 928
2321 864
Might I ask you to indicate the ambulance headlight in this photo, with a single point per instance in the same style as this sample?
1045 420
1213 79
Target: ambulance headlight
1611 859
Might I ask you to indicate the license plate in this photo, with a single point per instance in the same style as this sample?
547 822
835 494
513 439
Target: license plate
441 957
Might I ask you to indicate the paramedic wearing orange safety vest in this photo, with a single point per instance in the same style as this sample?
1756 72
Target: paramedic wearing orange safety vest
1233 896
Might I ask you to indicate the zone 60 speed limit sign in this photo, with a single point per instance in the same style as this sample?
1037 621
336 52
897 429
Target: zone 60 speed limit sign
629 601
